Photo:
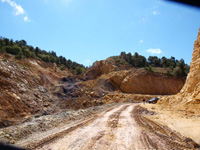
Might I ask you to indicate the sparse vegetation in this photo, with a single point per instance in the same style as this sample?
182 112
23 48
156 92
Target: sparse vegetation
79 70
149 68
62 67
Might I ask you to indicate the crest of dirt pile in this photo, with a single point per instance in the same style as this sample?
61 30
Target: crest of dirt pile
189 96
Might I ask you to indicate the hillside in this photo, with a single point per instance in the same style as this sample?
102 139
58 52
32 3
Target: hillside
31 87
44 97
112 76
20 49
26 89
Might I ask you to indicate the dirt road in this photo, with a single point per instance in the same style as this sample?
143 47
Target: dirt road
122 127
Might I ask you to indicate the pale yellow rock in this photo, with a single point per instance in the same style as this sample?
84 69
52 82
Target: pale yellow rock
189 96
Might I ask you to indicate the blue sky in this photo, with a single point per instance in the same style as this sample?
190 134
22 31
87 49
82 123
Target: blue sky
90 30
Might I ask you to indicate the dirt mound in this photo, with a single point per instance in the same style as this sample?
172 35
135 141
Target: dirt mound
189 96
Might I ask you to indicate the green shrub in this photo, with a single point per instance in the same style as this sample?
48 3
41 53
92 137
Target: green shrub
79 70
2 50
150 69
33 55
19 55
177 71
45 58
13 49
167 73
27 52
62 67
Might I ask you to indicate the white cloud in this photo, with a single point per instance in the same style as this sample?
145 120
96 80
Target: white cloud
18 8
26 19
141 41
154 51
155 12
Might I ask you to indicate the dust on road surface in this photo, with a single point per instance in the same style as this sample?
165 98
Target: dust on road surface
120 128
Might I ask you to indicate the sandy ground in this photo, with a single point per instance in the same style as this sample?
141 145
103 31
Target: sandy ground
184 122
121 128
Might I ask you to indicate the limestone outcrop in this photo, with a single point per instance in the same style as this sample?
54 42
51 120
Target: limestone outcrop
189 96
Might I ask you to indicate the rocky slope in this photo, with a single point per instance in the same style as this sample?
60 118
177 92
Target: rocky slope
31 88
115 77
25 89
189 96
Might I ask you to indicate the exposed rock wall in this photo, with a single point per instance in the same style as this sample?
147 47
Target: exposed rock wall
103 67
99 68
192 84
111 76
189 96
144 82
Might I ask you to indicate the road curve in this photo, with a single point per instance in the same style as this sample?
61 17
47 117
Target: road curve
120 128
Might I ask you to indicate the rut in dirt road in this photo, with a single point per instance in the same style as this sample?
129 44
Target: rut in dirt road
120 128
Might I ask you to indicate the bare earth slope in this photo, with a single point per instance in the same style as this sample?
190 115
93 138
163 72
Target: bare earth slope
123 127
26 89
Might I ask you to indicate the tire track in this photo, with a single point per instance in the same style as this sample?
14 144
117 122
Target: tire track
158 136
53 138
120 128
112 123
57 136
114 118
81 135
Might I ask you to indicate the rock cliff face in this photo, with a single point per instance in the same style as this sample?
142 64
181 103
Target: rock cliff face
144 82
126 79
189 96
192 84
